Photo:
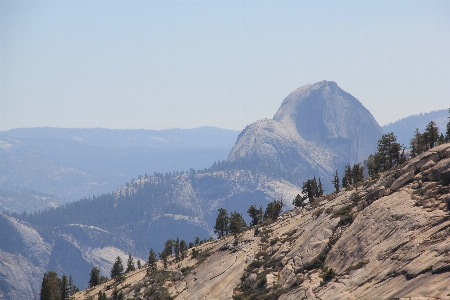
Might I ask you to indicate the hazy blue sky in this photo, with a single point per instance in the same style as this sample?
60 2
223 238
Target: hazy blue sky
166 64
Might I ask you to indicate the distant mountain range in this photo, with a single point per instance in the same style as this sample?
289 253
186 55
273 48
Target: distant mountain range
74 163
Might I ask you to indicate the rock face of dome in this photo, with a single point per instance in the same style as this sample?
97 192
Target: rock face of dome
318 128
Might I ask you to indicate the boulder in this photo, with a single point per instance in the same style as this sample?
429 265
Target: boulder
377 193
423 158
428 165
177 274
385 181
402 180
406 169
442 150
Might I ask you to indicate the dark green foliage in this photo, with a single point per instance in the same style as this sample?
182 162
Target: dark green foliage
318 212
163 256
328 273
237 223
320 190
176 248
152 260
421 142
431 134
197 241
194 253
94 277
255 214
183 249
417 144
63 288
118 295
186 270
347 178
191 244
130 264
310 189
117 269
274 241
168 245
388 155
447 132
298 201
357 173
273 210
202 256
335 182
139 264
50 289
222 223
359 265
102 295
70 286
343 211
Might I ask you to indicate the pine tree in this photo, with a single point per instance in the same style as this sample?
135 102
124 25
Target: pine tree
70 286
168 245
94 277
273 210
255 214
117 269
50 286
197 241
183 249
152 262
237 223
177 250
130 264
335 181
102 295
138 264
320 190
357 173
431 134
63 288
388 155
447 132
417 144
298 201
163 257
309 189
222 223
